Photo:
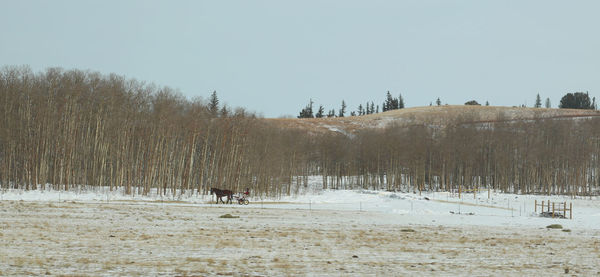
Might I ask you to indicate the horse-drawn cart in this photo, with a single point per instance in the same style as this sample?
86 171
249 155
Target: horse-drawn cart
241 198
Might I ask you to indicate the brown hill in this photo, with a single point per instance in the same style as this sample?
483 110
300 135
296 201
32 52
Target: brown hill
435 116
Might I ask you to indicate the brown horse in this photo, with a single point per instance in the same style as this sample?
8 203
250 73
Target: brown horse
220 193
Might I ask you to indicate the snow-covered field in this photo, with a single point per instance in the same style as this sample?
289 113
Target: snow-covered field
319 233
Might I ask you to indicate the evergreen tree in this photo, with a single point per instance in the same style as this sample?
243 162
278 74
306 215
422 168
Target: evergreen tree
487 103
538 101
548 103
377 110
213 104
352 113
360 110
224 111
342 111
388 103
307 112
321 112
438 102
331 113
373 107
577 100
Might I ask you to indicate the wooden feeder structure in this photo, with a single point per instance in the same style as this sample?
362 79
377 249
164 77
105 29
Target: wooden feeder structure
554 209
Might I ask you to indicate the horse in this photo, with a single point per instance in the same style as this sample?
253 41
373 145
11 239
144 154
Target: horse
220 193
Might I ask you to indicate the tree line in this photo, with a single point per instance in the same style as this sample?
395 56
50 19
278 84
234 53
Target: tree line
390 103
68 129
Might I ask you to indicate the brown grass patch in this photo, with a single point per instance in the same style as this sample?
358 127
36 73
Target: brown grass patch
145 237
194 259
84 261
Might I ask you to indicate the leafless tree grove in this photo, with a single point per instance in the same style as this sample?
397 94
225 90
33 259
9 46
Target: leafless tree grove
73 128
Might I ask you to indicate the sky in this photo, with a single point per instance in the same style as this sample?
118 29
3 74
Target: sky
272 57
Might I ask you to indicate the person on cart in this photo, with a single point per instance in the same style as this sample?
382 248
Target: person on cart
242 198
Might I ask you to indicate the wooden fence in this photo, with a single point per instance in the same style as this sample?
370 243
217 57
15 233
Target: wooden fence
554 209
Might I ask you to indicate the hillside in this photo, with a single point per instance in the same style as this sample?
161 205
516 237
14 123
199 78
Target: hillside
431 115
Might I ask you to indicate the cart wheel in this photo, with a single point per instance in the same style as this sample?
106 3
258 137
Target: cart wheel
246 202
240 201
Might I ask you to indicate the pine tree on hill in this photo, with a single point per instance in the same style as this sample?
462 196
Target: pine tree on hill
320 112
331 113
373 107
213 104
388 104
577 100
342 111
538 101
307 112
360 110
438 102
548 103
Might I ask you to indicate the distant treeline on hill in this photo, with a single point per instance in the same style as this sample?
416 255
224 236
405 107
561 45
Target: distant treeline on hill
390 103
577 100
68 129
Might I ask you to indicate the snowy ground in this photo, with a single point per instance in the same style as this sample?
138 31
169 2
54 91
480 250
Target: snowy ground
320 233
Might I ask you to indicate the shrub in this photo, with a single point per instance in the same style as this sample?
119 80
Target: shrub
228 216
554 226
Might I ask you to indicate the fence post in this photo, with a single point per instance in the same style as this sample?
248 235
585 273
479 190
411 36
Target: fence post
571 210
552 209
512 212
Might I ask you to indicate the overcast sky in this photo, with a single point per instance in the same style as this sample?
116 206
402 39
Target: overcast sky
271 57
